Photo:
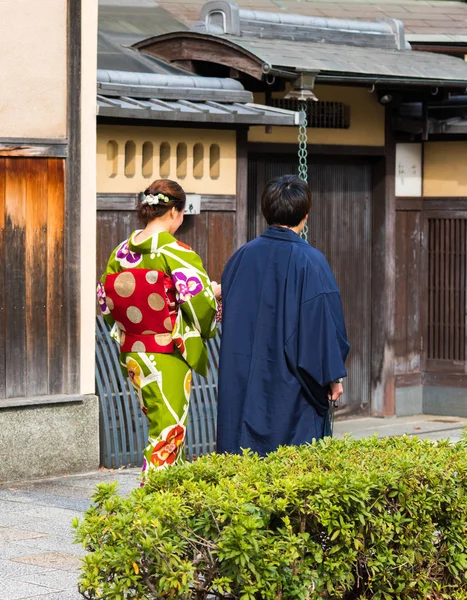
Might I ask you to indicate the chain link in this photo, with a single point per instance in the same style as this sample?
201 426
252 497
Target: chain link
303 153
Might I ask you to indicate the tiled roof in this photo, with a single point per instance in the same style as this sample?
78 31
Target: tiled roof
183 98
436 18
351 61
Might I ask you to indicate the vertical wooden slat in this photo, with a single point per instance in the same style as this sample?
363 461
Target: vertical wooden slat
451 315
196 234
56 310
400 334
36 276
461 284
15 291
221 242
430 330
447 340
2 279
447 224
112 228
437 294
412 271
458 346
458 321
263 176
455 284
462 288
445 286
242 188
252 196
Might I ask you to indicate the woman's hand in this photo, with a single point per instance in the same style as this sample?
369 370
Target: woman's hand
217 289
335 391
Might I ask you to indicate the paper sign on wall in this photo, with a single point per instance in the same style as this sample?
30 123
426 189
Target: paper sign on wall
408 169
193 204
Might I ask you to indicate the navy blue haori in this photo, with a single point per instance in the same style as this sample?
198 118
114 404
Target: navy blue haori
283 342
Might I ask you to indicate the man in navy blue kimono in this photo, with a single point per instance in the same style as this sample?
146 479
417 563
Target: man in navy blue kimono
284 342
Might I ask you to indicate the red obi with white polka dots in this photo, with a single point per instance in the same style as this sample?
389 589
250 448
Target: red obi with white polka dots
143 304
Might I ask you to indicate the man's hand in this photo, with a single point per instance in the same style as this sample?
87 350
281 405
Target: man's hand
335 391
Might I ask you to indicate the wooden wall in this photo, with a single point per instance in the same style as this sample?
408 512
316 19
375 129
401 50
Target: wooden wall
409 278
431 291
211 234
32 272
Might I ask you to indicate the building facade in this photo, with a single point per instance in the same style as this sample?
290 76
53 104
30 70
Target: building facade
385 173
48 407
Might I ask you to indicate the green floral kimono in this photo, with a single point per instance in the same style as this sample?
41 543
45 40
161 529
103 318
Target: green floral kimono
159 301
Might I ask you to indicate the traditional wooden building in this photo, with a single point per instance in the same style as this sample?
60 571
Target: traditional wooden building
386 181
48 407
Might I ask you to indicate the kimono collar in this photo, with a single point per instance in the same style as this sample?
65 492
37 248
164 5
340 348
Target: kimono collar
283 234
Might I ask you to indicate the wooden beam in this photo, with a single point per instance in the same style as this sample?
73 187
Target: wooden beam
448 203
219 203
408 379
111 201
328 149
190 47
383 280
242 188
442 49
415 203
209 202
73 202
102 120
31 148
445 379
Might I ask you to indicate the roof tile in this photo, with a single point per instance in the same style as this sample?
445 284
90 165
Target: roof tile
427 13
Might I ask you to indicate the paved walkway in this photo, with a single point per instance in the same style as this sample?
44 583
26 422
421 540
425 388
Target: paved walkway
38 560
425 426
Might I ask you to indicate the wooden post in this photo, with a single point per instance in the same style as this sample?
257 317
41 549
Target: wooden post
384 279
242 188
73 200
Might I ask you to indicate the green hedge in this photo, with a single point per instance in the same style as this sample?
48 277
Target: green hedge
374 518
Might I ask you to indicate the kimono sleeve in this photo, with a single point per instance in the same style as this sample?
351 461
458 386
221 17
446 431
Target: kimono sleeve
194 291
321 339
112 267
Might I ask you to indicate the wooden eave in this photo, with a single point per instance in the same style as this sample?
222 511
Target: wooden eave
189 46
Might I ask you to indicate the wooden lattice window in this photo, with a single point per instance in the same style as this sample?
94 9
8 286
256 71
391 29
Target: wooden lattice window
447 261
321 114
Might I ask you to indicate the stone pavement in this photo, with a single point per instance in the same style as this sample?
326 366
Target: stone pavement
429 427
38 559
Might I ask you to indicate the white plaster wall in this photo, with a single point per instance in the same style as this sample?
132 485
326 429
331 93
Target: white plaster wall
88 193
33 67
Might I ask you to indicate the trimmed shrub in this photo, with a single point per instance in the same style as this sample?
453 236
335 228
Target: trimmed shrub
376 518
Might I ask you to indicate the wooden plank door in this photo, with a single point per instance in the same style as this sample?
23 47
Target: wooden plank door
33 349
340 226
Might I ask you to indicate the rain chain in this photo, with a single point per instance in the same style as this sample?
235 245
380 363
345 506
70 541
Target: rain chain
303 153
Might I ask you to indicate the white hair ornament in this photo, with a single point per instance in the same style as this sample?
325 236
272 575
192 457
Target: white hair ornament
153 200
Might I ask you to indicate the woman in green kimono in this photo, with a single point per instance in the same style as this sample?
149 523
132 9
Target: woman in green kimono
161 306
